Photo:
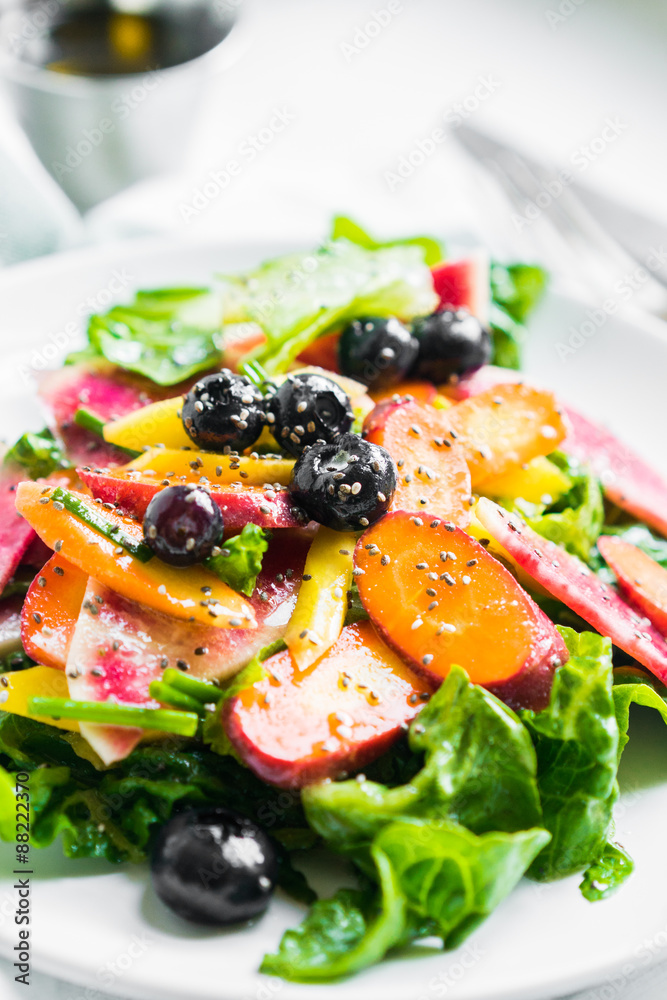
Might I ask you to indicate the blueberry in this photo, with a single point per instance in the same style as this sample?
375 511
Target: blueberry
376 351
182 524
345 485
451 342
223 411
308 408
213 866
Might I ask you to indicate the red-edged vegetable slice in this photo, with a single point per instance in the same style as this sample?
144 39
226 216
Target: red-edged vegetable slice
240 505
50 611
16 534
118 647
641 578
438 598
58 601
107 392
294 728
626 478
323 352
433 474
464 283
569 580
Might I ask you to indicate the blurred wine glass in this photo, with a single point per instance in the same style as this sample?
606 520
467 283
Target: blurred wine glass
107 90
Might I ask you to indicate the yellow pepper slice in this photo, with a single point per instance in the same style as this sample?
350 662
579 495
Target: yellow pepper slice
195 464
319 613
539 481
41 682
157 423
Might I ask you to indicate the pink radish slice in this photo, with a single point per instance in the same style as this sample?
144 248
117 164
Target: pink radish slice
107 392
120 647
239 505
15 533
571 582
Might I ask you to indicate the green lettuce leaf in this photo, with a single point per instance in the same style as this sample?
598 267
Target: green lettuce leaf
650 693
607 874
37 454
577 741
168 335
479 770
298 297
240 561
507 338
452 878
575 520
345 228
344 934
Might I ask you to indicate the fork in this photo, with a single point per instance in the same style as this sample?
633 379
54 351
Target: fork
561 230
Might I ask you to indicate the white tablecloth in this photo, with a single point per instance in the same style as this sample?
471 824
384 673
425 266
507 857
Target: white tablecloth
355 103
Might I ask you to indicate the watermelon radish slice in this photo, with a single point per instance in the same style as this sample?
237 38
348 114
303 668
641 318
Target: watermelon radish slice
10 626
571 582
107 392
482 379
465 283
240 505
641 578
626 478
15 533
118 647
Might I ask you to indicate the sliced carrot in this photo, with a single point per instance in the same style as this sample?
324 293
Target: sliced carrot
295 728
642 579
50 610
438 598
421 392
190 593
504 427
433 476
323 352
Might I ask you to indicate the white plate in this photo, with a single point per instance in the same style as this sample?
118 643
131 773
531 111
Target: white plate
103 928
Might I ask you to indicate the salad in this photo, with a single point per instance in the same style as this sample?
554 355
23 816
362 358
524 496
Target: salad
302 562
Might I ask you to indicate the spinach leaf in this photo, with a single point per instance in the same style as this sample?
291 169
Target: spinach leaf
453 878
344 934
517 288
576 739
168 335
480 770
649 692
298 297
38 454
345 228
114 813
607 873
508 338
240 561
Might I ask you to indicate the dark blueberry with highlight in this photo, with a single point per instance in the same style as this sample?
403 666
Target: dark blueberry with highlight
451 342
307 409
213 866
345 485
376 350
182 525
223 412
